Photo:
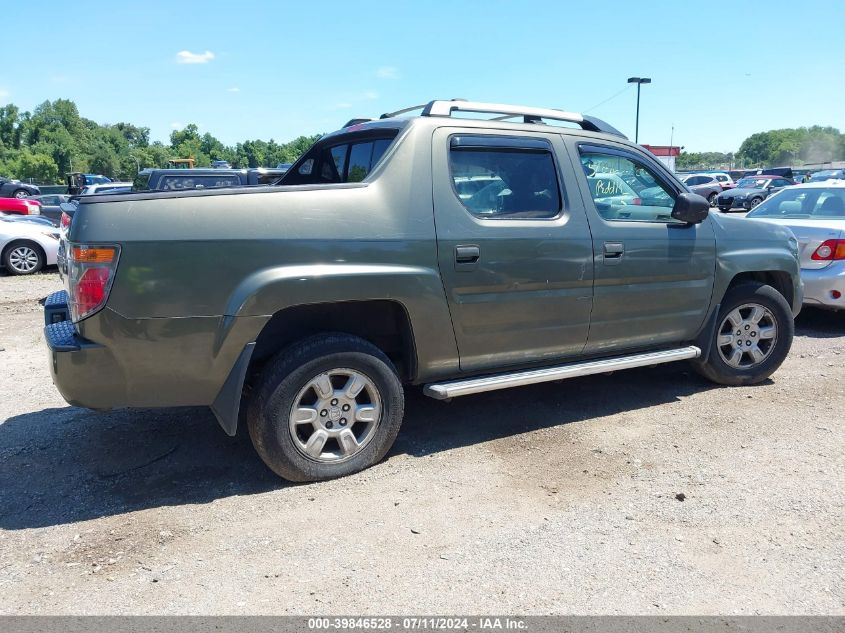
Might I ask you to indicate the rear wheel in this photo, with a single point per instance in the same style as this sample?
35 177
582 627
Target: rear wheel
325 407
753 336
23 258
712 199
20 193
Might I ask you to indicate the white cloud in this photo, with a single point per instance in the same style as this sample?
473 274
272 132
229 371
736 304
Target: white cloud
233 89
370 95
387 72
187 57
4 93
344 105
176 125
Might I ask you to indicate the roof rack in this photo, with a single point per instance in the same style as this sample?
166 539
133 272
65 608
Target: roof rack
528 114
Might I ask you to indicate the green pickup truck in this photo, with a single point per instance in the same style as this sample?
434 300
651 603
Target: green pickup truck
472 247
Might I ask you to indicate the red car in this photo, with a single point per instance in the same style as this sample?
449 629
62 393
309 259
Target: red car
20 206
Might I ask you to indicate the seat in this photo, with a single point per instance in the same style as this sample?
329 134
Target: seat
833 205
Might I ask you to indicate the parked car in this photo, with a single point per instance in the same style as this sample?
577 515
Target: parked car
16 189
725 181
25 246
815 213
77 181
704 185
366 270
751 191
828 174
50 205
20 206
109 187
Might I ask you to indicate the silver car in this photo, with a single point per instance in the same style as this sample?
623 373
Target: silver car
27 245
815 212
704 185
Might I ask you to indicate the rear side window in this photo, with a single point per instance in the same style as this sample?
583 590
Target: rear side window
504 178
349 160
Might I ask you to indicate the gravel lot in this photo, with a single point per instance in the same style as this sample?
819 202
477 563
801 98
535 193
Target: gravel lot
648 491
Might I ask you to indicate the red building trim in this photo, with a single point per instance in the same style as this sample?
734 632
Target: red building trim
663 150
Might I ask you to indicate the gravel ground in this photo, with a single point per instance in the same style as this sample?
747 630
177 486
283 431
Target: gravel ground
643 492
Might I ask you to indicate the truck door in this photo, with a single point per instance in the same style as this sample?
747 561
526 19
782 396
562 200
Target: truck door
514 246
653 274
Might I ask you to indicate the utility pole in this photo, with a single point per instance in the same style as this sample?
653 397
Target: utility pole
639 81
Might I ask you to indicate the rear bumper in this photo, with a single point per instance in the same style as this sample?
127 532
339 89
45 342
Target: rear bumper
819 286
85 373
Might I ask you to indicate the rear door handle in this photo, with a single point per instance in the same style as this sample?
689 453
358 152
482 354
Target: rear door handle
466 256
613 252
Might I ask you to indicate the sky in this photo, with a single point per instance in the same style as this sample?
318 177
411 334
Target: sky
720 71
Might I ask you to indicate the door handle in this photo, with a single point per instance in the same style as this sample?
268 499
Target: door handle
467 254
613 252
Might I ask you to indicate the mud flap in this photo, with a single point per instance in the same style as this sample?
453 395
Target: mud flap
227 404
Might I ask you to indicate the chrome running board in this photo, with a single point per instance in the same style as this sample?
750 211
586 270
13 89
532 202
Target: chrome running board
455 388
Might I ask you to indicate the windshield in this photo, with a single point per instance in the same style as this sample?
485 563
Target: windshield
752 183
812 204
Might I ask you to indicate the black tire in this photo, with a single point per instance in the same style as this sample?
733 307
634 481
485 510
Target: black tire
717 369
724 209
712 199
280 386
20 193
754 202
14 265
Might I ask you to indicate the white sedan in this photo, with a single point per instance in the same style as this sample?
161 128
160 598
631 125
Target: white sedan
27 245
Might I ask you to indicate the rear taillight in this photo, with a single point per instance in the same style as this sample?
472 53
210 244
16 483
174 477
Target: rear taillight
829 251
90 274
636 201
32 208
65 221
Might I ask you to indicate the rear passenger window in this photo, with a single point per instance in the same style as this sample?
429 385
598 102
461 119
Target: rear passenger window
349 160
503 178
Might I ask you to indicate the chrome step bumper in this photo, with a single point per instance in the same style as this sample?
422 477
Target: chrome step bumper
455 388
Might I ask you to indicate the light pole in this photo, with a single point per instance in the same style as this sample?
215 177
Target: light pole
639 81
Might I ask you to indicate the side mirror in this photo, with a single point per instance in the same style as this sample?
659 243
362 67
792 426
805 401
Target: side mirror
690 208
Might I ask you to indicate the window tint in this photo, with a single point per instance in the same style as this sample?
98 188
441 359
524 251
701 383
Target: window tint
506 183
780 182
694 180
360 157
625 189
343 161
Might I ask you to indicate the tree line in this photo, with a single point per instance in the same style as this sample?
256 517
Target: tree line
789 147
53 139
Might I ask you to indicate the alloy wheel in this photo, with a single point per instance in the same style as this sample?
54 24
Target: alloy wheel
335 415
23 259
747 336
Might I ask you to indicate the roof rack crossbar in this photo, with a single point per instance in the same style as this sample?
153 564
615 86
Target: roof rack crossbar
529 114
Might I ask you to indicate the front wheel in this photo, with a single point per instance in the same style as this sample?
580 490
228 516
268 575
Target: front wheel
753 336
326 407
755 202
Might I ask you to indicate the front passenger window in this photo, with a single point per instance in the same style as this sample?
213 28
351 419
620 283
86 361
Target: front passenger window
626 190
